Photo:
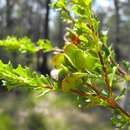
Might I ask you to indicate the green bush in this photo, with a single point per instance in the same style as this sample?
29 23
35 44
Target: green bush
6 122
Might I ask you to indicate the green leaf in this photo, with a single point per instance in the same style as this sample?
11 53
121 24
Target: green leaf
22 45
112 76
122 94
74 55
88 2
104 92
58 60
119 120
80 74
83 38
45 45
78 10
92 101
59 4
71 82
126 65
25 45
104 36
80 59
68 63
21 77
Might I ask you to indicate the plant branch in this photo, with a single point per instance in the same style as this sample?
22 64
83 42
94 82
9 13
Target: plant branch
107 82
82 94
118 67
111 101
120 70
123 111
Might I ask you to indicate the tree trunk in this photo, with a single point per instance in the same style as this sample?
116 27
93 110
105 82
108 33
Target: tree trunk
117 31
46 30
60 33
9 21
42 67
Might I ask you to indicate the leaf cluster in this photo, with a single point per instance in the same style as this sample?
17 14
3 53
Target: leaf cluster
85 66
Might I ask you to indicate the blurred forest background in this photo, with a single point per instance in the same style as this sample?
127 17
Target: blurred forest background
20 109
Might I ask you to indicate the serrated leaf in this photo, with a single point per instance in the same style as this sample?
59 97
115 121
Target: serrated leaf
21 77
25 45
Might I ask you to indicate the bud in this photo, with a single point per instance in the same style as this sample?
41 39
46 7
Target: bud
75 39
55 74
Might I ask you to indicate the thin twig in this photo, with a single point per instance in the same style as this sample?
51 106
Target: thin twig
82 94
122 110
107 82
111 101
118 67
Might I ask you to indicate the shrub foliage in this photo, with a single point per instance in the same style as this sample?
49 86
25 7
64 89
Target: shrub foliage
85 66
